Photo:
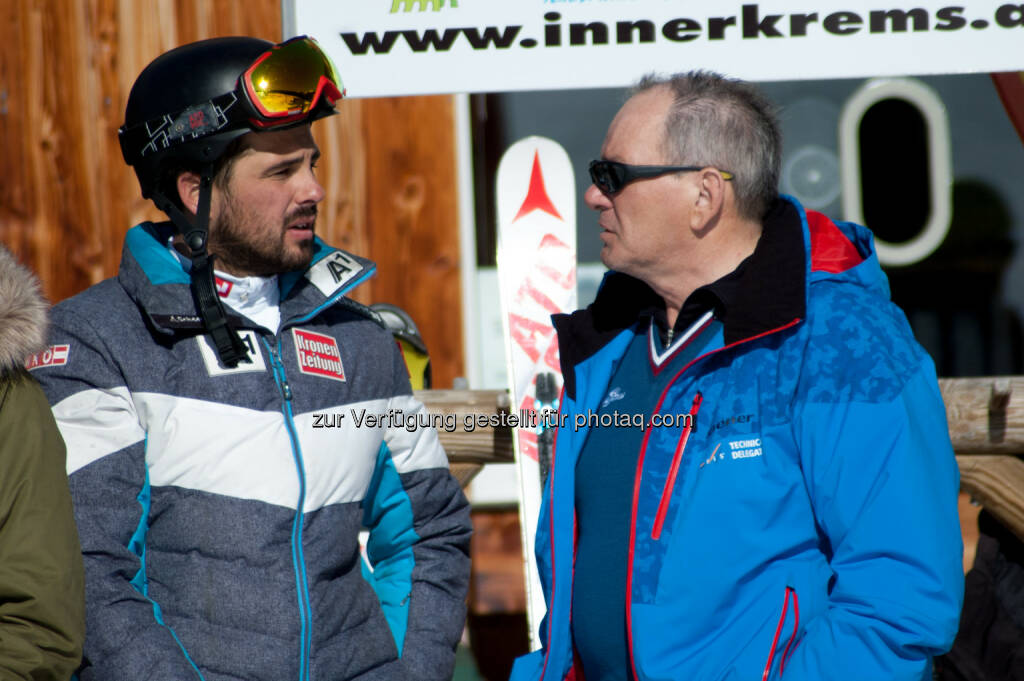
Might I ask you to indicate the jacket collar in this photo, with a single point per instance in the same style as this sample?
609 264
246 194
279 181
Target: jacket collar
159 283
767 291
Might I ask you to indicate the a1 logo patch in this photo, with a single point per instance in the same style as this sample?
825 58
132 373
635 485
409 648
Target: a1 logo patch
55 355
318 354
254 362
333 272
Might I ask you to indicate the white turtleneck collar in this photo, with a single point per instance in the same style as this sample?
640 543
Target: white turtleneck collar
257 298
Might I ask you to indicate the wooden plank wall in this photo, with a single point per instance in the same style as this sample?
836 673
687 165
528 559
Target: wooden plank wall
66 197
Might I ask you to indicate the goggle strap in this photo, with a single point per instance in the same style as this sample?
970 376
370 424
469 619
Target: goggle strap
191 123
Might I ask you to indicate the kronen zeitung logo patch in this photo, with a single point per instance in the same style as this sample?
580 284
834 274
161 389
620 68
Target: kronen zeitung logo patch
318 354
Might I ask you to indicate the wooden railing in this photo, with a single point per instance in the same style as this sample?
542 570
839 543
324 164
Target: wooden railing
986 425
985 415
469 449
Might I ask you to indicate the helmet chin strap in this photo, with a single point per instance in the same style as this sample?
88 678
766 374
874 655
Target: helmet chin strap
230 347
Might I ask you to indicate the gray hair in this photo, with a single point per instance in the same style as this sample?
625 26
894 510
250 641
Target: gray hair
728 124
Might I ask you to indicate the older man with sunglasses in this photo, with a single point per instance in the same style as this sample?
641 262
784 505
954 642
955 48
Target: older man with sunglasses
789 508
219 520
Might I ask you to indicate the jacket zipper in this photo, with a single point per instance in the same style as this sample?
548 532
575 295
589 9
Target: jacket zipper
778 630
632 532
792 637
670 481
298 558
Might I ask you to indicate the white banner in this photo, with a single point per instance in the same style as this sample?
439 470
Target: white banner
409 47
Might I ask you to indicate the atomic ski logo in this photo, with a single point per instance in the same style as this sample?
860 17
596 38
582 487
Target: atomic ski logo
537 195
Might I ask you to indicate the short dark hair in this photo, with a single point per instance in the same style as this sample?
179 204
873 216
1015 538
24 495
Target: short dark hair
726 123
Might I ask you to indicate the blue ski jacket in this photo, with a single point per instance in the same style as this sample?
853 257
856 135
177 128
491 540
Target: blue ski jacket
805 527
219 508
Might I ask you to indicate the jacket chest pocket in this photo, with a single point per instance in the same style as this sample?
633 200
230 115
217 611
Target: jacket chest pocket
689 423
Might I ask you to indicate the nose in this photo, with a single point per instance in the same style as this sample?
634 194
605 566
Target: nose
595 198
311 191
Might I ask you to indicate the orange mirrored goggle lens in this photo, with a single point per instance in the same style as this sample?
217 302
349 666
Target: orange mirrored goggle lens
290 79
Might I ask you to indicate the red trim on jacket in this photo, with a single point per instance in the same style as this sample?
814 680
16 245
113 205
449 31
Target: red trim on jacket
831 251
673 471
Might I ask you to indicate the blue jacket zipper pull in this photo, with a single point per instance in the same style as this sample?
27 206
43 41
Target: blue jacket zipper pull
286 389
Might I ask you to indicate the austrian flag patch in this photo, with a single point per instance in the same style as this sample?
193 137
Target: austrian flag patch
223 286
318 354
55 355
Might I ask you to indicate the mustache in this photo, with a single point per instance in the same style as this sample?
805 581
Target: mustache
307 212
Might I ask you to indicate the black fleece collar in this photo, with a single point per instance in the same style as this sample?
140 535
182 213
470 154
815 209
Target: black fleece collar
766 291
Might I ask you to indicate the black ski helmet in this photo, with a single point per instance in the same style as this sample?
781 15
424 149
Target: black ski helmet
184 108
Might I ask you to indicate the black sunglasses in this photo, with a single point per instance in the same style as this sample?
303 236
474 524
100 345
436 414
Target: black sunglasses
611 176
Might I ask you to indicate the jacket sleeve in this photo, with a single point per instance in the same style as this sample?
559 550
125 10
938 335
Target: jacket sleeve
418 545
881 474
126 639
42 620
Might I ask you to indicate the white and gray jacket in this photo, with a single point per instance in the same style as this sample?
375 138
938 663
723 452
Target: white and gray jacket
219 518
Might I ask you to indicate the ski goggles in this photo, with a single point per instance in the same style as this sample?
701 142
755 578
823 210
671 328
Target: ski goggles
287 81
287 84
611 176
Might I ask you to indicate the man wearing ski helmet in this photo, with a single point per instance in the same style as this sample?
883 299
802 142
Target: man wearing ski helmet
218 514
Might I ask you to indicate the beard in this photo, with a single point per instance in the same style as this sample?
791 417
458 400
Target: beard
246 244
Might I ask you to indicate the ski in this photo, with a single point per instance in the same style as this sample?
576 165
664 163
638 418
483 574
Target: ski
536 213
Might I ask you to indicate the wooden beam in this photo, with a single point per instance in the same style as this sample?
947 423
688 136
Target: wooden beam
986 427
465 441
986 424
985 415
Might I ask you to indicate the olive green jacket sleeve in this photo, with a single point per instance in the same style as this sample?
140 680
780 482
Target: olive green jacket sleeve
42 620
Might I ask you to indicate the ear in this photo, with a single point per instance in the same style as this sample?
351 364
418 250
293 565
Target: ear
188 190
709 199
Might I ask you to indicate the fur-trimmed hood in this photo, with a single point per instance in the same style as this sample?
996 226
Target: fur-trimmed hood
23 314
